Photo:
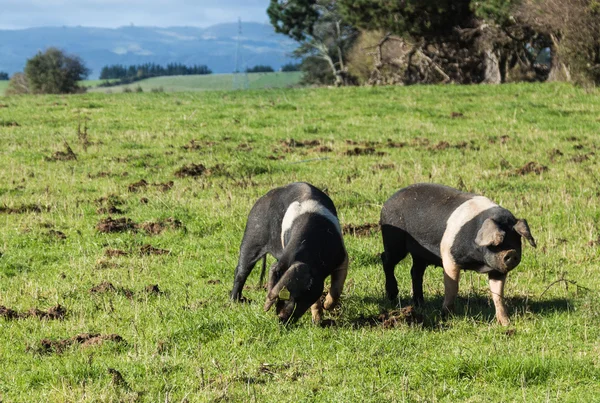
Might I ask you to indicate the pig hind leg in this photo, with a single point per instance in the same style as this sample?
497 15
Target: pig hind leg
394 245
249 255
416 272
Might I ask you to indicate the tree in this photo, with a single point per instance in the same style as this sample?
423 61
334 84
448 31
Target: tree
319 28
460 41
18 85
54 72
260 69
290 67
4 76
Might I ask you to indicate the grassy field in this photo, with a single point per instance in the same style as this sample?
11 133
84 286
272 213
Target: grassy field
3 86
153 299
209 82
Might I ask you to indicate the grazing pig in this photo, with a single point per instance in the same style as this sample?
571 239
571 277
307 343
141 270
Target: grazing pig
442 226
298 225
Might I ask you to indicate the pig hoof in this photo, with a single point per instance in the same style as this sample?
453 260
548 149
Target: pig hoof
330 303
392 295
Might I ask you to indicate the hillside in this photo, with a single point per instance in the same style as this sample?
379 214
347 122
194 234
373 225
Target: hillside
214 46
208 82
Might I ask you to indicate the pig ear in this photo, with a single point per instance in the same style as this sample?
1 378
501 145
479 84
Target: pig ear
295 279
489 234
523 229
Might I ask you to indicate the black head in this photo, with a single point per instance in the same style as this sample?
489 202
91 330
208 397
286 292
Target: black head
295 292
501 243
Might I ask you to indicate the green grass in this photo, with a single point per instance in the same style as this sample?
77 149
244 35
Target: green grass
3 86
190 342
209 82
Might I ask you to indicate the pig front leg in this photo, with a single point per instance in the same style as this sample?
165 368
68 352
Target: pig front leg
316 310
451 279
338 277
497 288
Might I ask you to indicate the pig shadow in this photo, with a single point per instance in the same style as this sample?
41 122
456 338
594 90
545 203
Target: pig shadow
475 306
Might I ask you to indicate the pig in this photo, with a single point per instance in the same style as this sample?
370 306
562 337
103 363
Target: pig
298 225
442 226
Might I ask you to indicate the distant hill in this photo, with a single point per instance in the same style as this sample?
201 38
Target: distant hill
214 46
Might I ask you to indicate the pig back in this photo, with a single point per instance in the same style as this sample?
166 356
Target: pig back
422 210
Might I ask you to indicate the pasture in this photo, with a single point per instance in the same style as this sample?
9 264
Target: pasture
207 82
136 308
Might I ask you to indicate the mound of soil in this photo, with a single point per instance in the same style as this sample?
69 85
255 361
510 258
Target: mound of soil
155 228
391 319
115 252
164 187
356 151
192 170
109 225
291 143
23 208
56 234
359 229
153 289
55 312
531 167
84 340
151 250
67 155
108 287
137 186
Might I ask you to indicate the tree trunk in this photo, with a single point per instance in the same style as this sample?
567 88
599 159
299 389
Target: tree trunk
558 70
492 73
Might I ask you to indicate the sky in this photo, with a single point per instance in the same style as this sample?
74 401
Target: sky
21 14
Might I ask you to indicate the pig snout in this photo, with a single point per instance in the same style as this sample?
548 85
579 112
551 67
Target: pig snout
508 260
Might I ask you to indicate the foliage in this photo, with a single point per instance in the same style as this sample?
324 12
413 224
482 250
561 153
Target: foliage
320 29
18 85
288 67
55 72
151 70
260 69
4 76
187 342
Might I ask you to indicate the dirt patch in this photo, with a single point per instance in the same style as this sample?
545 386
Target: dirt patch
197 145
390 319
109 225
323 149
9 123
56 234
137 186
442 145
155 228
394 144
275 157
110 200
109 210
66 155
23 208
582 157
103 264
244 147
151 250
554 153
382 167
193 170
291 143
359 230
144 200
531 167
164 187
115 252
107 287
213 282
455 115
55 312
356 151
153 289
47 346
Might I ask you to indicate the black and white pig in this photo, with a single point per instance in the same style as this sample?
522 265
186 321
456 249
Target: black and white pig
298 225
442 226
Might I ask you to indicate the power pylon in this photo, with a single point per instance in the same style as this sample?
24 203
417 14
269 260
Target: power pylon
240 76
